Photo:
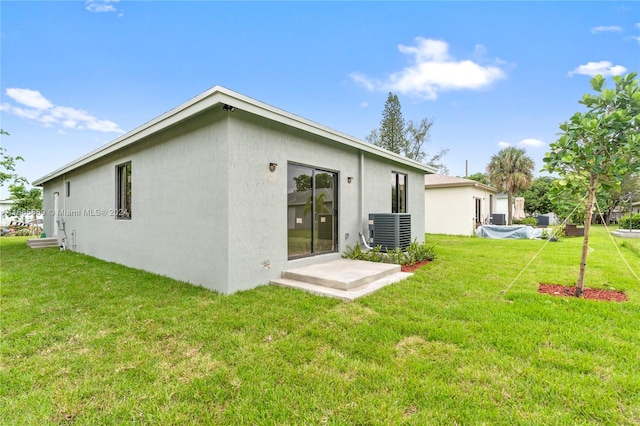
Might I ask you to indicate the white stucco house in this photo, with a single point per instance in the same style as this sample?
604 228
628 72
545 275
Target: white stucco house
5 218
30 218
502 204
226 192
456 205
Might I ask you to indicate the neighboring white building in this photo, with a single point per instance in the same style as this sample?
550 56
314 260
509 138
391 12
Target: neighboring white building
5 206
502 204
226 192
456 205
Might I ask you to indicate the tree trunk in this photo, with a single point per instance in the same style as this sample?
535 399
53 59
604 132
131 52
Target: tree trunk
593 182
510 209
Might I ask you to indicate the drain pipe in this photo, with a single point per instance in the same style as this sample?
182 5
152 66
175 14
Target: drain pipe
362 214
363 219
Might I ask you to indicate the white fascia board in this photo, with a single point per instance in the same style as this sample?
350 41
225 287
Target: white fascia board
461 184
220 95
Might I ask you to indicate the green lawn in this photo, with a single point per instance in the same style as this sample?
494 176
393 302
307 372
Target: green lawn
90 342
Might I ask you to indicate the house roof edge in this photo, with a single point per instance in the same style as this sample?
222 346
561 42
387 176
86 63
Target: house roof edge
220 95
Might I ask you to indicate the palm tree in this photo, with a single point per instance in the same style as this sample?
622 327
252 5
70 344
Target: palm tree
511 170
320 205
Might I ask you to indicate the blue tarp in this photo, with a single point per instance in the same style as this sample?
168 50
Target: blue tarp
508 231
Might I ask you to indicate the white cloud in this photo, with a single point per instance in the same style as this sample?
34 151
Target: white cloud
30 98
47 120
28 113
434 70
69 124
602 29
365 81
636 38
502 144
103 126
605 68
40 109
531 143
99 6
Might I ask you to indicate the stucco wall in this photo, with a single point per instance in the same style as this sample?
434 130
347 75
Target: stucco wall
502 206
258 209
451 210
206 209
179 190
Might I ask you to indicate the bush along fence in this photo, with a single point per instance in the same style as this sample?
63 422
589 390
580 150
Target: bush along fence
635 221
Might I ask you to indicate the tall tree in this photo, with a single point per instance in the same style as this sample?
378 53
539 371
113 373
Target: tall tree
601 145
417 136
392 133
511 170
405 138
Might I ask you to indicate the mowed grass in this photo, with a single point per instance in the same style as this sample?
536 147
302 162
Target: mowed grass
90 342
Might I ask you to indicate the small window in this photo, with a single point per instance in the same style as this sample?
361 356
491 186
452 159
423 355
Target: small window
398 192
123 191
68 189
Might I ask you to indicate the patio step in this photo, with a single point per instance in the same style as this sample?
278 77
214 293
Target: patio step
343 279
343 274
43 242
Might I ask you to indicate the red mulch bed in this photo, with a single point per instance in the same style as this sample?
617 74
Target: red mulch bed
411 268
588 293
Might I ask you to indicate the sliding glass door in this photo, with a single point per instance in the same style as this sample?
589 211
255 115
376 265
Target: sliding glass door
312 214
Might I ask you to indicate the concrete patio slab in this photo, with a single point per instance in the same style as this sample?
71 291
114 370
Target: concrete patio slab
625 233
343 278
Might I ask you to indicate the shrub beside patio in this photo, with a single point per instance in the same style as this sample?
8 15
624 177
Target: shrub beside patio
90 342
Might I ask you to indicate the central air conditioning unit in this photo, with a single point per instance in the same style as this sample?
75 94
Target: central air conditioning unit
498 219
390 230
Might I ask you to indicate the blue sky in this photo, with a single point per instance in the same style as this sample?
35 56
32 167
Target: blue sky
77 74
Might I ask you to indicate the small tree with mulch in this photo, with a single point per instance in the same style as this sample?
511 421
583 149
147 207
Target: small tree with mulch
599 147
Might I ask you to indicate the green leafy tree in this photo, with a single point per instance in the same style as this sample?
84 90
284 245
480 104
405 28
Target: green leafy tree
418 135
511 170
600 146
480 177
567 195
8 166
24 199
405 138
391 135
611 198
303 182
27 202
536 197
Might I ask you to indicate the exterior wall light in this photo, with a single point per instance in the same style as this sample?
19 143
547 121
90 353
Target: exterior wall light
226 107
272 166
349 179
